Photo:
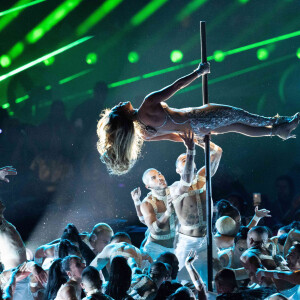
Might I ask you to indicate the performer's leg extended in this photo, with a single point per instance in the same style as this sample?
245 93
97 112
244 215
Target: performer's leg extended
231 119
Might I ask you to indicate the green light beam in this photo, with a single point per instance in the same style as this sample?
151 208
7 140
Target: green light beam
21 99
97 16
197 61
51 20
11 10
41 59
263 43
146 12
72 77
7 19
189 9
237 73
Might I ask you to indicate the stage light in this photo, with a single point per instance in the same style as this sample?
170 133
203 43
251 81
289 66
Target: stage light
49 61
41 59
146 12
91 58
5 61
97 16
16 50
176 56
51 20
219 55
262 54
243 1
6 105
133 57
298 53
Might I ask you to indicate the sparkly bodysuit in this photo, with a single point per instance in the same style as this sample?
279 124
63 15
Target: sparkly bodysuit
203 120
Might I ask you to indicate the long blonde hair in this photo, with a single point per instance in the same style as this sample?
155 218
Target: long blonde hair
120 141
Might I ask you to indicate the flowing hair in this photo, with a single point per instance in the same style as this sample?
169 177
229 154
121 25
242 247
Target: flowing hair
120 140
57 277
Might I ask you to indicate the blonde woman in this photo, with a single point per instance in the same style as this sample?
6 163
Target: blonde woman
122 129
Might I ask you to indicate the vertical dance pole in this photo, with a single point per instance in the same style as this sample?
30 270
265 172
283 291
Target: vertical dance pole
207 166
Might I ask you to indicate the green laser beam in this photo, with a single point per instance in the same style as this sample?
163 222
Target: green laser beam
51 20
146 12
41 59
21 99
72 77
11 10
97 16
189 9
7 19
237 73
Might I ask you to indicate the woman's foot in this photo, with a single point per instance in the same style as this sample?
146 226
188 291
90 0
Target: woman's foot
284 129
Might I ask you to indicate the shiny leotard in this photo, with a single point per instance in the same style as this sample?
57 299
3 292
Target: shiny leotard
205 119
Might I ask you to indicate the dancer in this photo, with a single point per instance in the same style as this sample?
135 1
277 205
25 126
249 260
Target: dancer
122 129
120 245
156 213
189 200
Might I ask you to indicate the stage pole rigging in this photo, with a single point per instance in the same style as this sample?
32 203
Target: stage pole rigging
207 166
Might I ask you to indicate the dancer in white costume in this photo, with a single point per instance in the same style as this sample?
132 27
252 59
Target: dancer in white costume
189 200
156 213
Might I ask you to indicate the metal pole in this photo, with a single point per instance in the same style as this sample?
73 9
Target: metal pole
207 166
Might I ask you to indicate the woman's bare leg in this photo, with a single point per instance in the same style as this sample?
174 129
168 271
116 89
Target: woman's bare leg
245 130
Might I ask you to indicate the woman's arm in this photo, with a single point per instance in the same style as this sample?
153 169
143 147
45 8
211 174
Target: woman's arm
196 278
167 92
259 214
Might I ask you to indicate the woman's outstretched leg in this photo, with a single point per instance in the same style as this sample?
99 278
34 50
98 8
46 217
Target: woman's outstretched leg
223 118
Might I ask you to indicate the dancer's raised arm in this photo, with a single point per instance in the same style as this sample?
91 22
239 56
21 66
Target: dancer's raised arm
168 91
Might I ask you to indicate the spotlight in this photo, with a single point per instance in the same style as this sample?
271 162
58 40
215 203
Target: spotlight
133 57
91 58
262 54
176 56
5 61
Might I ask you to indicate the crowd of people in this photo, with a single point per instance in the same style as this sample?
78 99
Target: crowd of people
250 261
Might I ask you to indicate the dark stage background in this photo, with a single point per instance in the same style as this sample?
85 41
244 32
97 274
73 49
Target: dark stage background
60 177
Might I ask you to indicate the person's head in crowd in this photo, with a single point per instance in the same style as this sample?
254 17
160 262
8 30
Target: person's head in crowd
154 180
166 289
257 236
284 188
280 243
90 279
170 259
100 236
237 201
283 230
159 273
144 286
183 293
119 278
293 257
73 266
225 281
56 277
67 248
295 225
277 296
226 226
71 233
100 91
240 242
180 164
224 208
120 237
